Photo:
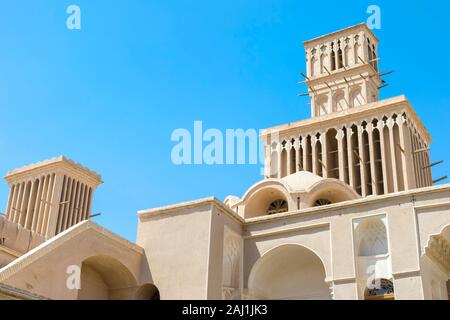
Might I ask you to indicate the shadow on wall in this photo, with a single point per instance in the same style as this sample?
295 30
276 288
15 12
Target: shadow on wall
105 278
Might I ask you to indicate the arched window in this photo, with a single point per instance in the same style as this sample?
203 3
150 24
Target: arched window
340 59
380 289
332 58
278 206
321 202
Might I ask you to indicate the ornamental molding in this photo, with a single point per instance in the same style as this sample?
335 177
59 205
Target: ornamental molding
438 250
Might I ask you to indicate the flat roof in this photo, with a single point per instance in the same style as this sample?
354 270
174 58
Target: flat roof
357 26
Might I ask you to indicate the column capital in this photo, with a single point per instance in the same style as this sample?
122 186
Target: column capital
340 134
390 122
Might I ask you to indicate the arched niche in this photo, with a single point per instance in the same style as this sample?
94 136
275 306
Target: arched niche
106 278
289 271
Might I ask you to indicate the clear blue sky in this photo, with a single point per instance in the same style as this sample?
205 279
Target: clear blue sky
110 95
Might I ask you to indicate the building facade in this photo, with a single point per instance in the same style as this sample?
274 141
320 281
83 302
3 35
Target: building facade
347 209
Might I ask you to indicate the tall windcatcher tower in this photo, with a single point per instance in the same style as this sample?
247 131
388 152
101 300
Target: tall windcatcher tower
376 146
50 196
342 70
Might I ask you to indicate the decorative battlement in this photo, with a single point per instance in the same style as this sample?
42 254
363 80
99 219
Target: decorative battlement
51 164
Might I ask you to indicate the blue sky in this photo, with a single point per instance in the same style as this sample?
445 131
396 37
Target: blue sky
110 95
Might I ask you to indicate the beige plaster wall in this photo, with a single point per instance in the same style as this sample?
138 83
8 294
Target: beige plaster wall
43 271
177 244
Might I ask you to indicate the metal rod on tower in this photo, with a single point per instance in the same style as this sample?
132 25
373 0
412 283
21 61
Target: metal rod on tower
440 179
433 164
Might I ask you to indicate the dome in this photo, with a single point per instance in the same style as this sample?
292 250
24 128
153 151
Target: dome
302 181
231 200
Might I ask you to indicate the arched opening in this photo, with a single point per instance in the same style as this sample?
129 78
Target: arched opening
388 156
318 162
398 154
332 155
380 289
105 278
269 200
313 66
372 258
292 158
379 181
333 58
366 161
308 151
301 165
322 202
339 55
435 266
329 192
289 272
147 291
277 206
356 159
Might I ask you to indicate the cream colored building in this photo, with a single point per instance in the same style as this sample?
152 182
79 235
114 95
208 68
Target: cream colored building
348 210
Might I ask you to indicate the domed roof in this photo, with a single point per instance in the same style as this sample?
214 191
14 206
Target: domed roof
302 180
231 200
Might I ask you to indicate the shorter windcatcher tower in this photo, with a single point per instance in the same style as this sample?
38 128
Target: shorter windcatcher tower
375 146
49 197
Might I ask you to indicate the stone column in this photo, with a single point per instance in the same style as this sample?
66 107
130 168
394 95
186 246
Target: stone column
279 164
314 155
67 203
37 204
373 172
325 165
362 161
308 62
351 164
297 155
48 203
31 203
24 204
340 137
12 194
267 158
18 202
89 206
405 144
42 201
390 124
54 206
336 53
